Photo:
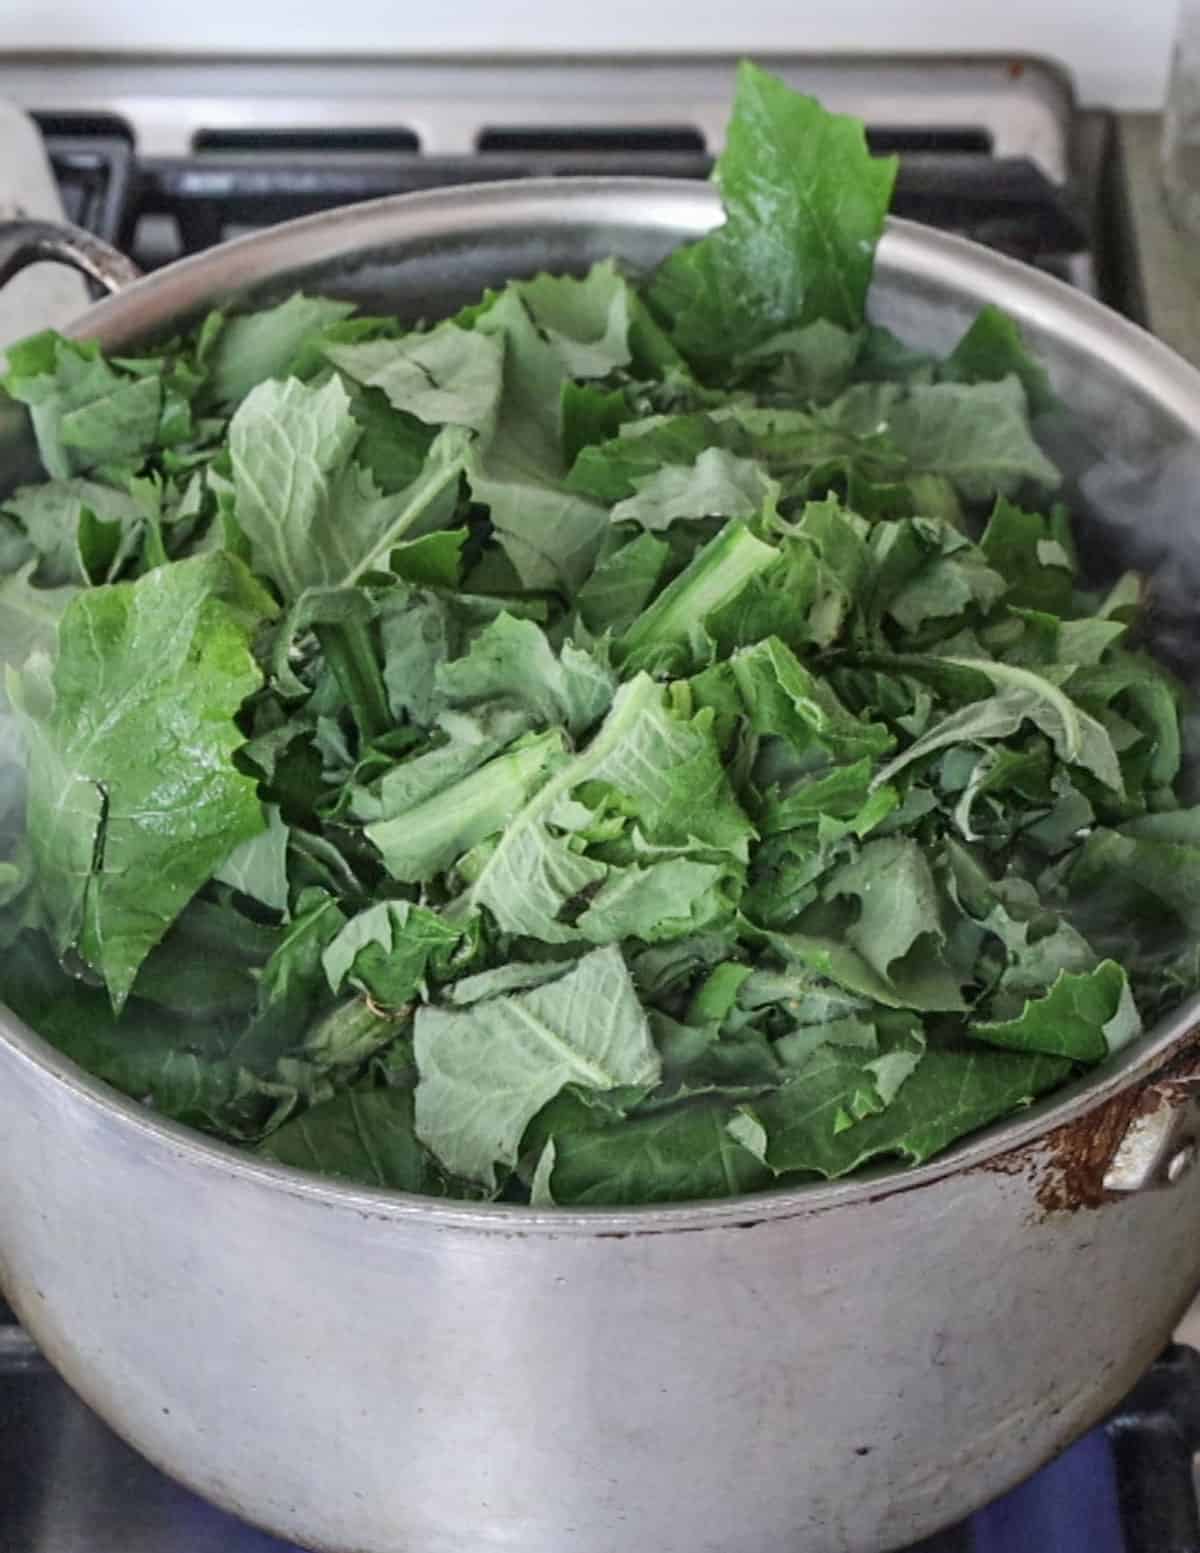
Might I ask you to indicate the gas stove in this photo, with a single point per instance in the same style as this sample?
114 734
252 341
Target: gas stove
168 157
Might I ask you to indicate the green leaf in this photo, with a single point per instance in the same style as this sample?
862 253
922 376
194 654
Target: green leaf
384 950
450 376
392 447
795 181
314 517
991 349
549 533
84 413
812 364
256 346
784 698
292 986
950 1093
511 660
681 1155
206 967
433 561
1077 737
52 515
1119 876
258 867
590 415
516 976
432 834
666 769
486 1072
622 584
134 798
976 435
717 485
1031 557
662 900
472 739
1084 1017
364 1136
29 617
585 321
673 625
898 931
610 472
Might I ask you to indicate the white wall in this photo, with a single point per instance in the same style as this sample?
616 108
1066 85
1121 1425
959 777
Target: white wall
1118 49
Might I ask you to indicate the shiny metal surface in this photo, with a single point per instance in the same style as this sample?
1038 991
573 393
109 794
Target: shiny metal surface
71 1486
841 1368
1023 106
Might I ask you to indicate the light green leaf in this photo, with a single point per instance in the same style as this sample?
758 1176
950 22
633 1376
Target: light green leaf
485 1072
550 534
663 900
667 769
899 930
717 574
512 660
258 868
1022 694
784 698
84 413
717 485
29 617
585 321
265 344
314 517
51 515
134 798
431 835
1084 1017
976 435
385 949
449 376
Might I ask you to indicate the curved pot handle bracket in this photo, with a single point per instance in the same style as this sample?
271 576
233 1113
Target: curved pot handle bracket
23 243
1161 1142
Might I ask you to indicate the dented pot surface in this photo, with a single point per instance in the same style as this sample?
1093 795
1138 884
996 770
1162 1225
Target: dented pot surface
840 1368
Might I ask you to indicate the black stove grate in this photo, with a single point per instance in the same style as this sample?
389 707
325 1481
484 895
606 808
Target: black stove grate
163 207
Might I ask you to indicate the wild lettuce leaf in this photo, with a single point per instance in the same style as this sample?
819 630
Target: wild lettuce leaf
134 796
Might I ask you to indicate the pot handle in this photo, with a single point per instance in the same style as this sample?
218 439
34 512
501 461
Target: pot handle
23 243
1161 1142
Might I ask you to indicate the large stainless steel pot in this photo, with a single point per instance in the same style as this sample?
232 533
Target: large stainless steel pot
839 1369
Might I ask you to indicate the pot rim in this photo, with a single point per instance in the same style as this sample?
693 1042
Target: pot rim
222 273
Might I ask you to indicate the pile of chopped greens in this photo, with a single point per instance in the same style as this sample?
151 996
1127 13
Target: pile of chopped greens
631 741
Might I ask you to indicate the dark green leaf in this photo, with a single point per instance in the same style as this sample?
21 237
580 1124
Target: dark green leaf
363 1135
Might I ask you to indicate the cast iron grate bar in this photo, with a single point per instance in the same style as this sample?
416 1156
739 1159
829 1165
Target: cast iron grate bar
1155 1436
1006 202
